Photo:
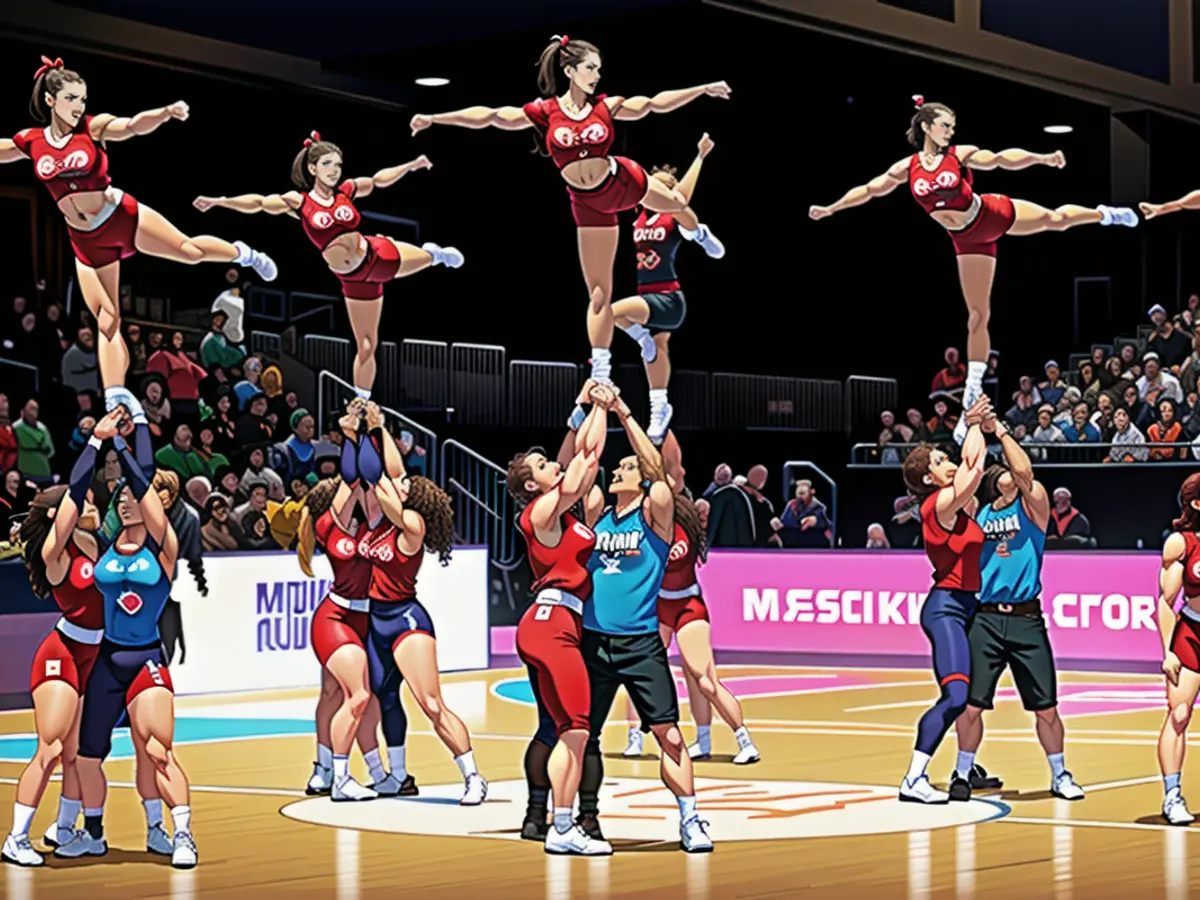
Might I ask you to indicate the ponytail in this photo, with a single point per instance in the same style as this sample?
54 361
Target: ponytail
314 148
49 79
925 115
558 54
306 541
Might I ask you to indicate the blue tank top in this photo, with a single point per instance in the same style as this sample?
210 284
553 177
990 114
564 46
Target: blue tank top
135 590
627 569
1011 563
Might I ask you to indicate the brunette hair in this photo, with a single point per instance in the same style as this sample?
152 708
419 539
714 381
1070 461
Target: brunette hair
925 115
316 502
1189 516
989 486
519 472
558 54
50 80
688 518
433 505
916 467
314 148
34 531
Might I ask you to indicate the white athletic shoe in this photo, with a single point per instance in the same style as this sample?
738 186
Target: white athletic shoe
258 261
20 852
56 836
183 855
1175 811
693 836
450 257
474 791
1065 788
321 781
158 841
118 396
1120 215
388 787
575 843
713 247
697 750
660 421
922 791
81 844
636 739
649 349
747 755
350 791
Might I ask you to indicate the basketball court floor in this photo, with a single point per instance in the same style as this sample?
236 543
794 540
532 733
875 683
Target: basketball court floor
818 817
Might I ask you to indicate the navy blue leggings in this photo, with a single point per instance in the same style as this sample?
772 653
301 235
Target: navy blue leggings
944 619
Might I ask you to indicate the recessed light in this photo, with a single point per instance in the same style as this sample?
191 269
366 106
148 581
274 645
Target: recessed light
433 82
1058 129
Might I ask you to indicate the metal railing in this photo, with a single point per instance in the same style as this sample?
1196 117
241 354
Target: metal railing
1055 454
425 374
334 393
866 398
266 343
792 471
484 513
331 354
758 402
477 383
24 379
539 392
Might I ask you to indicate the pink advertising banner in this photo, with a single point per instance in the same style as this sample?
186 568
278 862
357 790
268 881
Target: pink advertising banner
1098 606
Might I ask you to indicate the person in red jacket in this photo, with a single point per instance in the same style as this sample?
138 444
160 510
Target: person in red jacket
183 375
8 438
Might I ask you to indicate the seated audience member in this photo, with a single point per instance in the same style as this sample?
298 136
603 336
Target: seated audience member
918 432
1111 374
205 445
182 374
157 405
277 400
258 470
252 425
805 522
900 432
1141 413
731 518
1190 368
1023 411
877 537
1089 381
217 352
225 485
1046 431
1157 382
180 456
721 477
249 386
215 534
256 499
15 496
225 416
945 417
764 511
1064 409
1068 527
8 440
297 455
1102 418
1053 387
35 447
888 455
952 377
1165 430
1079 430
80 371
1128 442
253 532
197 491
1171 345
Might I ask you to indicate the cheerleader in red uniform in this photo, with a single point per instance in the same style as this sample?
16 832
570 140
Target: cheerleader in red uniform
104 224
939 175
576 131
324 204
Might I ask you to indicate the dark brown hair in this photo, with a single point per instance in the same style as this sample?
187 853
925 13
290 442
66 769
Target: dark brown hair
34 531
688 518
916 467
925 115
559 54
314 148
433 505
519 472
316 502
989 486
51 82
1189 516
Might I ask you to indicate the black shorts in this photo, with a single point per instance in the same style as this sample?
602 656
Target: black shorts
639 664
1019 642
667 311
390 623
120 675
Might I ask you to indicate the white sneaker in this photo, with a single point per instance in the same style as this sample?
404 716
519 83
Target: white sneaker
1065 788
693 836
56 836
1175 809
184 855
158 841
636 739
713 247
321 781
350 791
575 843
699 751
747 755
258 261
81 844
649 349
1120 215
660 421
388 787
450 257
474 791
922 791
20 852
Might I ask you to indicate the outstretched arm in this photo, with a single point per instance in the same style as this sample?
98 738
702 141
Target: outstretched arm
506 118
9 151
986 160
389 176
273 204
876 187
107 127
632 108
1187 202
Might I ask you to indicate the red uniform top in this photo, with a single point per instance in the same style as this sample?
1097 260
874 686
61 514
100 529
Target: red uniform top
568 138
565 567
954 554
323 222
351 572
74 166
1191 565
78 597
946 187
393 575
657 238
681 563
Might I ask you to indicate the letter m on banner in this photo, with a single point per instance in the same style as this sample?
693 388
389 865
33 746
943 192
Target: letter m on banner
760 607
271 601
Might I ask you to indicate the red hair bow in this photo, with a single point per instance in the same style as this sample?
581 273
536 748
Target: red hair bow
47 65
919 100
564 40
314 138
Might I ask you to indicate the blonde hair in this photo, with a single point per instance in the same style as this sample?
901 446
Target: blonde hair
316 502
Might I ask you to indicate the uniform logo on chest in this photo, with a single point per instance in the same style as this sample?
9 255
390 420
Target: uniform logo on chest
130 603
614 546
75 161
1196 570
644 235
944 181
345 547
382 552
592 133
1003 527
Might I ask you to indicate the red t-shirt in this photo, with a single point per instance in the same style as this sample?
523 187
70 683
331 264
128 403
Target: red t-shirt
954 554
564 567
568 138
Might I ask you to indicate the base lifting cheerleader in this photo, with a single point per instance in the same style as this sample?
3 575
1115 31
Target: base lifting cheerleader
576 131
560 547
940 177
659 308
362 264
106 225
1181 645
953 541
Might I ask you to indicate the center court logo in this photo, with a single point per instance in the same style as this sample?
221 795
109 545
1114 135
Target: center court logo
285 611
639 809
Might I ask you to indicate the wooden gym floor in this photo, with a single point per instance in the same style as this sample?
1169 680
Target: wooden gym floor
816 818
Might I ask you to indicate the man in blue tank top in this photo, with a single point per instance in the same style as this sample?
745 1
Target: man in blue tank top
620 644
1008 629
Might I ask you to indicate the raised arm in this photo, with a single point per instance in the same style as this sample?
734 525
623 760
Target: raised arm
876 187
632 108
9 151
506 118
974 454
687 184
272 204
67 515
107 127
389 176
1014 159
660 498
1020 466
1170 583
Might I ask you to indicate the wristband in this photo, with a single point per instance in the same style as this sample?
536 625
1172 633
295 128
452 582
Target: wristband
575 422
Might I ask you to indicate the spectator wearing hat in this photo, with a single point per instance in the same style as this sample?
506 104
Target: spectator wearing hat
1053 387
1068 527
1171 344
952 377
1157 383
272 385
297 455
253 427
249 387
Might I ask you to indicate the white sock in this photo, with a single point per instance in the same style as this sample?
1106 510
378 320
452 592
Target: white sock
1171 783
375 765
601 364
916 768
363 393
687 234
92 813
68 812
154 814
687 807
245 254
743 737
563 821
324 756
397 758
965 762
466 764
1106 216
658 398
974 388
635 734
1058 763
22 817
637 331
341 769
181 818
704 737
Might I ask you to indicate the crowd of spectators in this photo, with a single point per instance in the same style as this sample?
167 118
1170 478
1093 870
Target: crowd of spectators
737 513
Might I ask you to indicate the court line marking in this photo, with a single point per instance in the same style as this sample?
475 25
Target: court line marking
1094 823
200 788
1113 785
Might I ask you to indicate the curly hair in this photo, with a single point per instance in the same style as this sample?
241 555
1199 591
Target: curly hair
434 506
34 531
1189 518
316 502
688 518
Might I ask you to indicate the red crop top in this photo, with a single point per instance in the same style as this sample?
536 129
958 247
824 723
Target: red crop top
325 223
568 138
948 187
78 165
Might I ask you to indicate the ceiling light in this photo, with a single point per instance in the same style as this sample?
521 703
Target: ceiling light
1058 129
433 82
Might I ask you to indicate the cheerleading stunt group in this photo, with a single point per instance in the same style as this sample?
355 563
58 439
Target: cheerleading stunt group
614 581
